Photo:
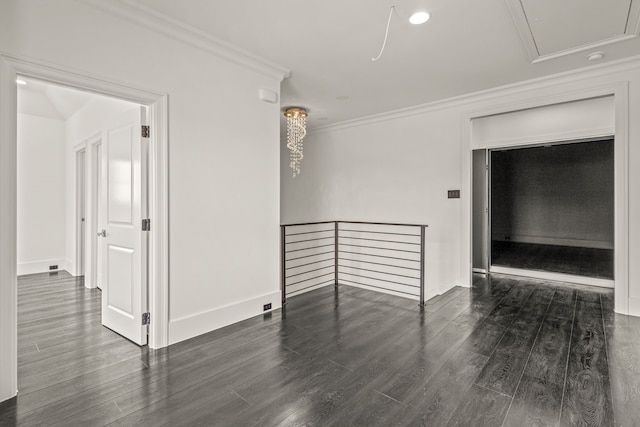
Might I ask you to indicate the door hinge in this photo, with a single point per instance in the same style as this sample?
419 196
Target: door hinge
146 131
146 318
146 225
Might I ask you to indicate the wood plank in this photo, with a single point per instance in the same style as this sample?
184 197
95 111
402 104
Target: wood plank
435 404
276 394
216 376
548 360
374 409
484 339
517 295
64 367
503 371
562 311
536 404
503 315
411 375
565 296
329 404
625 386
587 399
338 357
542 294
622 334
480 407
516 341
200 403
529 318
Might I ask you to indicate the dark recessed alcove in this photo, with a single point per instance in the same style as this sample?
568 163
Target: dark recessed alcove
552 208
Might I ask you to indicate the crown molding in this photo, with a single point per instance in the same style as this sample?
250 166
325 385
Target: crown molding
160 23
488 94
582 48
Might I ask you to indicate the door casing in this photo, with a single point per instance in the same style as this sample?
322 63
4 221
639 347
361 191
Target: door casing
480 198
81 230
620 92
10 67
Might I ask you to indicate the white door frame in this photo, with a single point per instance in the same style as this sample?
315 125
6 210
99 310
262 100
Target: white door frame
80 189
485 236
10 68
90 241
620 92
91 272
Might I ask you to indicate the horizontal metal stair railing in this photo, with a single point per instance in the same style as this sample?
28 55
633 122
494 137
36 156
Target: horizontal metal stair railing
379 256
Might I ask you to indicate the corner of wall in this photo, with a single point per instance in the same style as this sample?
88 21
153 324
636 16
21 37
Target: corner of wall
69 267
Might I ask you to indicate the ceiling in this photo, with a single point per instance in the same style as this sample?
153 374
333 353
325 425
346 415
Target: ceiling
42 99
467 46
601 20
550 29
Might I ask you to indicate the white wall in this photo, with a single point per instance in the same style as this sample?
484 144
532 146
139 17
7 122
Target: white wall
41 194
223 149
398 166
554 195
394 171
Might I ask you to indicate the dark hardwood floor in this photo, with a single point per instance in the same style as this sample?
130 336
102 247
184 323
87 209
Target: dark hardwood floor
590 262
507 352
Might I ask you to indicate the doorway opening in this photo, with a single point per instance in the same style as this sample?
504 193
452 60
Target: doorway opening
110 196
10 68
83 124
546 211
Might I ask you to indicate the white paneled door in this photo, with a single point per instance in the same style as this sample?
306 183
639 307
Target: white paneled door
124 243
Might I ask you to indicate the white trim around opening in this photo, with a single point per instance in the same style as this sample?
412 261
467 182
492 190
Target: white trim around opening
10 68
621 187
79 249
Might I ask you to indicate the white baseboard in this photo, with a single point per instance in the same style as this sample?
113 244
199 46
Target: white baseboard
557 277
634 306
41 266
197 324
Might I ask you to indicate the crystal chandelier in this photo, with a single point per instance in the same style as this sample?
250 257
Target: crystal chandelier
296 131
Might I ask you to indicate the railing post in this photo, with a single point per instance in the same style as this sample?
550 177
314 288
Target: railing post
283 266
422 251
335 253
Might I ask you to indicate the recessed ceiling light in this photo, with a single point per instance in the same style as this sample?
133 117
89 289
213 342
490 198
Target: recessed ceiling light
595 56
419 18
21 82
